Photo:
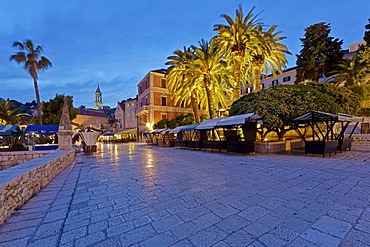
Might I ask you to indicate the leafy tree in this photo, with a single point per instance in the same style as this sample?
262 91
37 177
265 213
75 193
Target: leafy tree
348 100
236 38
319 54
181 120
30 56
12 115
367 33
52 110
267 54
162 124
278 106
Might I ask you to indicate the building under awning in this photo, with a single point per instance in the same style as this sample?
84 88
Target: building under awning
42 129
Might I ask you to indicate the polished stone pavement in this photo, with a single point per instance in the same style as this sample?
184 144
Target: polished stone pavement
141 195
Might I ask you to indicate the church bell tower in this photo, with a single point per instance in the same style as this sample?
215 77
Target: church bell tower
98 103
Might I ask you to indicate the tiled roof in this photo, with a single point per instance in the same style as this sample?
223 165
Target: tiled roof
160 71
94 113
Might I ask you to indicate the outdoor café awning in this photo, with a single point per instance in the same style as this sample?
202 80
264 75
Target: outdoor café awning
238 119
8 130
189 127
177 129
42 129
126 131
208 124
156 131
317 116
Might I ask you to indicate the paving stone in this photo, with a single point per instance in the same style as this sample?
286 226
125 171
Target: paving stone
253 213
272 240
363 225
160 214
111 242
73 235
300 242
193 213
48 241
226 211
269 220
167 223
14 243
49 229
137 235
232 224
97 227
183 243
185 230
206 220
319 238
207 237
256 229
284 233
239 238
164 239
90 239
16 234
332 226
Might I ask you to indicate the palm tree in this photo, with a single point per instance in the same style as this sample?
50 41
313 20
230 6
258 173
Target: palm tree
178 80
9 115
266 53
351 72
235 38
30 56
210 71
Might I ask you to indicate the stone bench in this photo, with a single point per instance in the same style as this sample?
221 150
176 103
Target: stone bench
19 183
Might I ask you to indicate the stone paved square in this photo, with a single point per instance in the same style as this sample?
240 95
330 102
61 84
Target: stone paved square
141 195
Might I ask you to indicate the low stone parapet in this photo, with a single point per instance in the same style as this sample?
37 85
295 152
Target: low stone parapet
10 159
361 140
20 183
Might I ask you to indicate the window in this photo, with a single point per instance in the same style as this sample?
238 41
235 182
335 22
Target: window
262 86
287 78
141 103
147 83
87 121
275 82
97 121
164 100
182 104
163 83
163 115
146 100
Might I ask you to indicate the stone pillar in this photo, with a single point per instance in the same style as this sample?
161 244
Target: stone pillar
65 129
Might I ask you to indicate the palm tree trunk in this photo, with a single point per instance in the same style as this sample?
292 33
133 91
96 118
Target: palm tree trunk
257 79
236 89
194 105
209 98
38 101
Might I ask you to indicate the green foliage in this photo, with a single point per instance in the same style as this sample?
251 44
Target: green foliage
367 34
319 53
162 124
11 113
348 100
183 119
364 112
52 110
278 106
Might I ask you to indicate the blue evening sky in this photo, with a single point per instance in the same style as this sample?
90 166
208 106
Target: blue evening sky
115 43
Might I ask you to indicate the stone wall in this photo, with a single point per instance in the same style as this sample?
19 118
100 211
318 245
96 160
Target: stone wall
361 140
10 159
277 147
20 183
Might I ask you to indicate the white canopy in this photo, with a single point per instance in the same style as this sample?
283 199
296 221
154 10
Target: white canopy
208 124
238 119
177 129
90 138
